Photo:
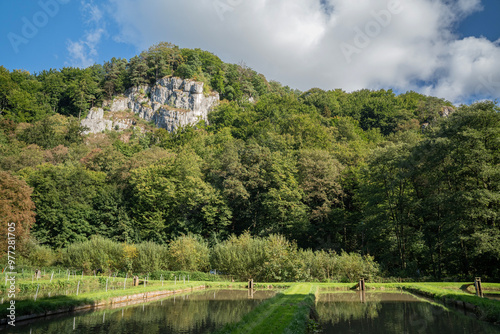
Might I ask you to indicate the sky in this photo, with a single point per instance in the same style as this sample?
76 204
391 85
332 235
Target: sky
444 48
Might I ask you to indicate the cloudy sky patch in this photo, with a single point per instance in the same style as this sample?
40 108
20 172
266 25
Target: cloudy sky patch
446 48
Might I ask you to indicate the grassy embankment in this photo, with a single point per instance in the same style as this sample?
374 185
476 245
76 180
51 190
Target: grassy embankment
100 297
287 312
486 309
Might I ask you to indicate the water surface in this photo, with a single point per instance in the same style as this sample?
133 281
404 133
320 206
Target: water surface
196 313
386 313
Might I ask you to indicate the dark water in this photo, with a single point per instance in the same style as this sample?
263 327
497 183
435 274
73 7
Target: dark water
492 296
200 312
388 313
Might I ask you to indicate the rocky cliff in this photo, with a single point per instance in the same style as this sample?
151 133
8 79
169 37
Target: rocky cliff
170 103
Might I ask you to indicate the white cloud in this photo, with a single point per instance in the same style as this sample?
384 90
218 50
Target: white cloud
469 6
82 53
405 44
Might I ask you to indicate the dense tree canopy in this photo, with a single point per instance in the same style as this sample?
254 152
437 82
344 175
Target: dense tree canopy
371 172
17 213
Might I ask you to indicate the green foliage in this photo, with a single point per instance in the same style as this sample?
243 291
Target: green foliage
242 256
189 252
150 257
412 190
39 255
352 266
96 253
64 196
171 197
275 259
366 172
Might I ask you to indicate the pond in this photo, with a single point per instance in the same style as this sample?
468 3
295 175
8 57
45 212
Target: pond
196 313
492 296
392 312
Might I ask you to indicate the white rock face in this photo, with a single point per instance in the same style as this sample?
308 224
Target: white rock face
170 103
95 121
446 111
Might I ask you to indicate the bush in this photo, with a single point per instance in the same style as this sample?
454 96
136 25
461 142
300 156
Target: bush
150 257
349 267
189 252
275 259
271 259
242 256
39 255
282 263
96 253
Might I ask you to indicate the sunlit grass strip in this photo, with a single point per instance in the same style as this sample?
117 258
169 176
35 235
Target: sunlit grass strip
70 302
487 309
287 312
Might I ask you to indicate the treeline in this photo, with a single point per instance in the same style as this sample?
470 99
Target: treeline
26 97
268 259
393 176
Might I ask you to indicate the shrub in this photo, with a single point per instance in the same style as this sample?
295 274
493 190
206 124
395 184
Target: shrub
129 254
39 255
189 252
242 256
350 267
96 253
150 257
282 263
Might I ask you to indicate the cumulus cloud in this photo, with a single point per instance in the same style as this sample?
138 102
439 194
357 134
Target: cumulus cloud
399 44
82 53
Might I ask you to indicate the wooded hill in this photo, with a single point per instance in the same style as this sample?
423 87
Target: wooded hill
393 176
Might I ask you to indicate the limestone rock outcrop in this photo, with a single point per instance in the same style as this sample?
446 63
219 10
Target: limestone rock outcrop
170 103
446 111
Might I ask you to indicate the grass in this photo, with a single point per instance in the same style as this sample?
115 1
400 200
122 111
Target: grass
287 312
43 305
486 309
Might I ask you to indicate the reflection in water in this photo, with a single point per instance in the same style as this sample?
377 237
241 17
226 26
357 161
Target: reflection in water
201 312
391 313
353 306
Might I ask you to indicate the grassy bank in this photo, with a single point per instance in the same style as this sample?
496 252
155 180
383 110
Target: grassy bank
486 309
44 305
287 312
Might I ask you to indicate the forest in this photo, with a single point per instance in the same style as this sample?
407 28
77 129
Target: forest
408 180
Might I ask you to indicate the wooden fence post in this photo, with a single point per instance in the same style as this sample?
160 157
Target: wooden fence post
479 288
361 284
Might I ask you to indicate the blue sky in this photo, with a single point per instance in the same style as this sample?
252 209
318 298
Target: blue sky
483 23
449 49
